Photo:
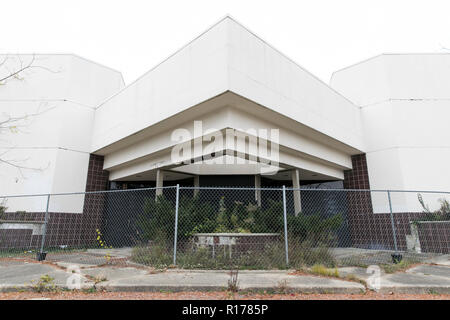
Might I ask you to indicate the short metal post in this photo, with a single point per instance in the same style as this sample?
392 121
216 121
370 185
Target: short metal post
44 230
394 233
286 248
176 226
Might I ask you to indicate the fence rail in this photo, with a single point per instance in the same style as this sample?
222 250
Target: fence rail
221 227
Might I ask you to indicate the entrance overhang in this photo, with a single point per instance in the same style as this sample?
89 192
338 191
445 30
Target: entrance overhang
227 79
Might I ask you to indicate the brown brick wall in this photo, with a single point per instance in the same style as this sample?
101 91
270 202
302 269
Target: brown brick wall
16 238
94 204
360 213
368 229
434 236
358 177
71 229
97 178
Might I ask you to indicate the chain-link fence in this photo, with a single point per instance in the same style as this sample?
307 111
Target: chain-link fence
224 227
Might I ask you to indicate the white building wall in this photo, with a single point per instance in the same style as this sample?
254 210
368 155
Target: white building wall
404 102
227 57
53 138
262 74
398 116
192 75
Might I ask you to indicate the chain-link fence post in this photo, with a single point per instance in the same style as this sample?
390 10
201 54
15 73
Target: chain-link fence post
394 233
41 255
286 248
176 225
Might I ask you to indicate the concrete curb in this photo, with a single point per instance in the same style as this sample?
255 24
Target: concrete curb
416 289
226 271
164 288
30 288
183 288
423 279
156 288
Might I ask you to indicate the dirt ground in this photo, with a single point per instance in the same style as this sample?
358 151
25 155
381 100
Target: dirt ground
66 295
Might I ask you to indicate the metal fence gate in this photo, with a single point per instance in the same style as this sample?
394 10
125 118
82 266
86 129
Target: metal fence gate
225 227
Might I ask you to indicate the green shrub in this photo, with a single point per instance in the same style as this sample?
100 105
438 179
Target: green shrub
314 227
401 266
2 211
195 216
441 214
306 253
321 270
310 235
271 257
44 284
155 255
21 215
269 220
202 258
157 220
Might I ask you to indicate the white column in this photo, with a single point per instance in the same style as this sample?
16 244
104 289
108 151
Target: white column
159 182
296 185
196 184
258 190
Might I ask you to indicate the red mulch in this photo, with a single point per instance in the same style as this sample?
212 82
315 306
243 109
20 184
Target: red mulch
67 295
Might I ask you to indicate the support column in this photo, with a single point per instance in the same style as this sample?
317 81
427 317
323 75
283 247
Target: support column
258 189
295 175
159 182
196 184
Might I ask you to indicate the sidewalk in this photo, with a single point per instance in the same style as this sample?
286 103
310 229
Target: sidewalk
22 275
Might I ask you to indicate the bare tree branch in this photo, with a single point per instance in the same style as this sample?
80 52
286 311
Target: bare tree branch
16 73
13 123
4 61
16 164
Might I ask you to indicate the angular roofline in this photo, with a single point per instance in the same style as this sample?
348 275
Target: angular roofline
388 54
292 60
228 16
160 63
65 54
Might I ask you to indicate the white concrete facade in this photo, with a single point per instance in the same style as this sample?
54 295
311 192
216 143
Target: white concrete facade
393 108
55 103
404 102
229 79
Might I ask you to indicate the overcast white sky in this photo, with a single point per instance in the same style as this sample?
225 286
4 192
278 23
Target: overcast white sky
132 36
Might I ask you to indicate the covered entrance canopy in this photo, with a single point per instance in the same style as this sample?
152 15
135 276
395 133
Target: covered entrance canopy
227 80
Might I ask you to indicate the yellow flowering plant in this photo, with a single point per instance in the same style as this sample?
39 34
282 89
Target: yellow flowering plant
103 245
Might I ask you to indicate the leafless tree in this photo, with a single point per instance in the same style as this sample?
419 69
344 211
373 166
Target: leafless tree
16 70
